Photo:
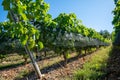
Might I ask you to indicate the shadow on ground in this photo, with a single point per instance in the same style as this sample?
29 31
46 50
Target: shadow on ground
113 65
11 66
47 69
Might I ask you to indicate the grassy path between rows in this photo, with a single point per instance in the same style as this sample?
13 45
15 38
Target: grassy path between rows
95 68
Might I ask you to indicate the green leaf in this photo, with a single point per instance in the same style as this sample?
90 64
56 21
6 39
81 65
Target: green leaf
0 30
25 30
21 27
24 16
12 35
37 35
33 30
40 45
6 4
24 39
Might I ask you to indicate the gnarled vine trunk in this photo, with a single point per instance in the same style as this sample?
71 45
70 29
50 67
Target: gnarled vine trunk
65 59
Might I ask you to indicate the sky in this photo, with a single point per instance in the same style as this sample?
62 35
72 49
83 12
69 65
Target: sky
96 14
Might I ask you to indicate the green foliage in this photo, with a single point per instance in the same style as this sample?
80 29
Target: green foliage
116 19
6 3
65 21
20 14
113 36
40 45
31 43
105 34
31 24
116 23
24 39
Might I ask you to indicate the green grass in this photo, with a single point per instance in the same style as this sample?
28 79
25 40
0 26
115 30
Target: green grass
94 69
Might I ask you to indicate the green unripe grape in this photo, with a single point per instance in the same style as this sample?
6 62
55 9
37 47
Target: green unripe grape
32 31
25 30
40 45
31 43
67 55
24 39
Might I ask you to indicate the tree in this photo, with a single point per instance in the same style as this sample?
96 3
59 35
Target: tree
105 34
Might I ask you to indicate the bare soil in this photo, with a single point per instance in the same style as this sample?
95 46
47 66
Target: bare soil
54 69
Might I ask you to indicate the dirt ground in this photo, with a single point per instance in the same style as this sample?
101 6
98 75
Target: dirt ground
54 69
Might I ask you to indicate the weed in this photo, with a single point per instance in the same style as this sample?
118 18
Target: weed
93 70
